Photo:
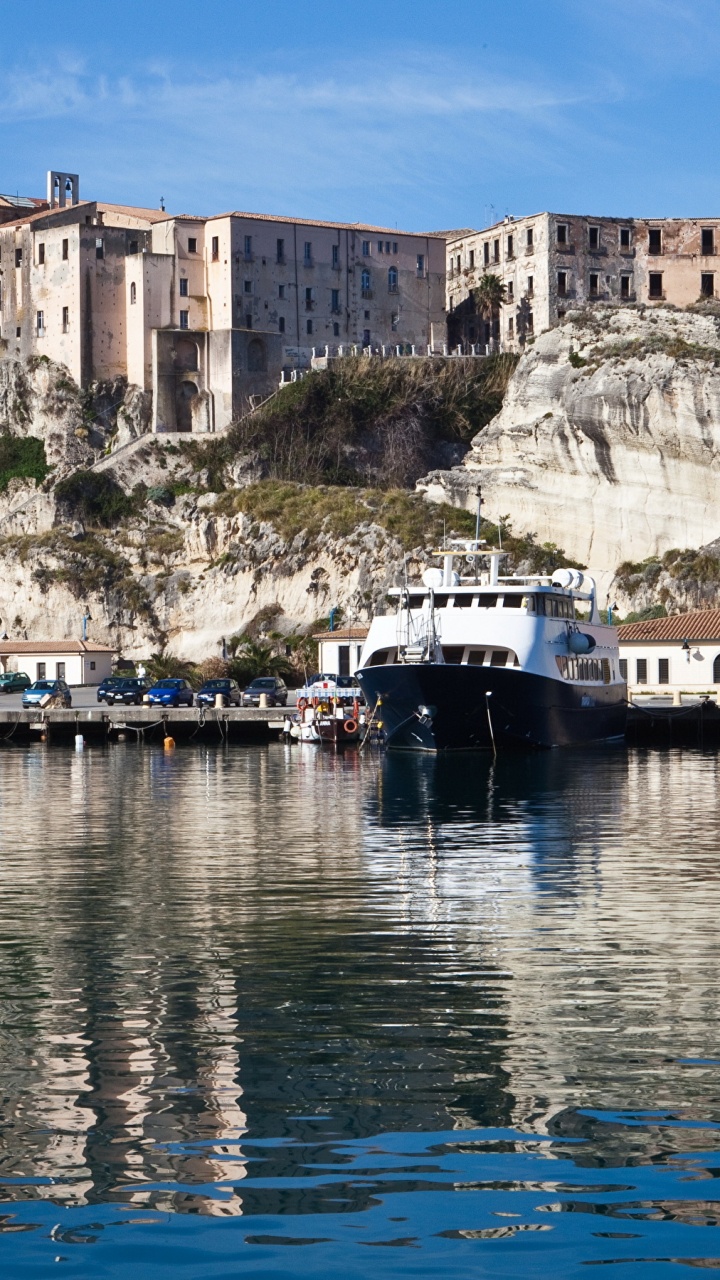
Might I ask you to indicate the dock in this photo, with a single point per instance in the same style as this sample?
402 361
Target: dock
103 724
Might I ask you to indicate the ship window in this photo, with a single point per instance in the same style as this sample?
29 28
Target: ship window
463 602
513 602
499 658
416 601
606 672
378 658
529 603
476 657
453 653
556 606
487 602
441 601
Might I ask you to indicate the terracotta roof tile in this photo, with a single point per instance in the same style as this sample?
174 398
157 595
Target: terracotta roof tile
318 222
345 633
702 624
52 646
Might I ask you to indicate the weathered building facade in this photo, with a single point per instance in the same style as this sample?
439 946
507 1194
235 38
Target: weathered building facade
551 263
205 313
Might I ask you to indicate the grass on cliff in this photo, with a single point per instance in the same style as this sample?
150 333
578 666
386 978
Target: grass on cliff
292 509
364 421
22 456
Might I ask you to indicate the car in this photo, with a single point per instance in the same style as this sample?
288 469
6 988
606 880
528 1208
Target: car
228 689
128 692
272 686
108 683
37 691
172 692
14 682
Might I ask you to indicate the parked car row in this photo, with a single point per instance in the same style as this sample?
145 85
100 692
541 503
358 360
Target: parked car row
171 692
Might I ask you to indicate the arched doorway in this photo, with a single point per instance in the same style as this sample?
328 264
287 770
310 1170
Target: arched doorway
256 356
186 393
716 670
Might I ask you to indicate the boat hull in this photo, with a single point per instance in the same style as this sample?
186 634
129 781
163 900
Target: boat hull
436 707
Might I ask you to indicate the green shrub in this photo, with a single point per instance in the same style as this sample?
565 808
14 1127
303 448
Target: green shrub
22 456
95 498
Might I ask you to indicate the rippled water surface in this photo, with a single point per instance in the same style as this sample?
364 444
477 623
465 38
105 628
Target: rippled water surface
279 1013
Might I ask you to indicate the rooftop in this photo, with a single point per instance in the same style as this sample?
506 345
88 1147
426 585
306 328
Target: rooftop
343 633
701 624
318 222
52 646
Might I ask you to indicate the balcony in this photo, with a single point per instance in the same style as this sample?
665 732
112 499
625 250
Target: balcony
366 293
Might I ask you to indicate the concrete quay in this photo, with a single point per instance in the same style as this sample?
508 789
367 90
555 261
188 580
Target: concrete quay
103 724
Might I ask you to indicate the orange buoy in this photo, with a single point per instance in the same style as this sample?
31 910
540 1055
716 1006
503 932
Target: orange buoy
168 743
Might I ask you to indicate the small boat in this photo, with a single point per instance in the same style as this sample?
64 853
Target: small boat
333 722
484 662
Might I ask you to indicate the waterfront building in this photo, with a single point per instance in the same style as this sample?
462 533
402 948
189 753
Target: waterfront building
552 263
207 313
676 654
339 651
77 662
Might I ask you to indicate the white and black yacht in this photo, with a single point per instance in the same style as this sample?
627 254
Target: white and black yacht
486 662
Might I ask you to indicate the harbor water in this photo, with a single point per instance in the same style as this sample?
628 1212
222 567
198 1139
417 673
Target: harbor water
275 1012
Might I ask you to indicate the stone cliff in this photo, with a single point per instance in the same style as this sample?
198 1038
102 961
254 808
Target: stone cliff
608 438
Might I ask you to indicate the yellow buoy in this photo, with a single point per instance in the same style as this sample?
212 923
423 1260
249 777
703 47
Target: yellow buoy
168 743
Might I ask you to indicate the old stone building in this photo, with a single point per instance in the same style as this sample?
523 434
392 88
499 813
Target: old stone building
551 263
206 313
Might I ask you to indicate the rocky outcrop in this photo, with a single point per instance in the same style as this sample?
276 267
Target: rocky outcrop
608 438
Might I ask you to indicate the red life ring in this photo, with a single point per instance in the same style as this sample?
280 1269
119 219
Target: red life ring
302 704
350 726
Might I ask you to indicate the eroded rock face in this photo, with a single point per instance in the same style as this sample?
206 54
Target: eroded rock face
608 439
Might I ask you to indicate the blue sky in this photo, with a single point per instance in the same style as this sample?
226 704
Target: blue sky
420 115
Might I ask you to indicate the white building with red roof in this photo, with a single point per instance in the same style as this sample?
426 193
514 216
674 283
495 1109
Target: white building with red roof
680 653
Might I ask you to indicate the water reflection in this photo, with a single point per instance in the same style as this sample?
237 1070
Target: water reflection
228 975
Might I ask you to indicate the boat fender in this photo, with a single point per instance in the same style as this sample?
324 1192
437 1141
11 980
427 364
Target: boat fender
580 642
302 703
350 725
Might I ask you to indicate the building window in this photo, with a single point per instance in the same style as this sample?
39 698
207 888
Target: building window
395 321
335 301
215 248
420 264
366 337
708 242
307 255
622 664
562 233
655 284
530 286
663 670
380 246
496 250
18 257
395 246
247 286
280 251
92 666
365 284
716 670
452 303
562 283
248 247
511 327
99 248
486 253
510 291
281 324
530 237
248 322
40 323
133 294
624 237
393 280
471 259
41 255
192 244
366 315
594 237
336 330
655 240
530 322
66 319
183 287
308 299
308 326
133 246
594 282
641 667
59 670
366 248
459 264
625 286
707 285
41 670
510 248
281 291
336 255
65 248
184 319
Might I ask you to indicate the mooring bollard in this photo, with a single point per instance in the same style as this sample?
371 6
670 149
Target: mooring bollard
79 742
219 700
263 700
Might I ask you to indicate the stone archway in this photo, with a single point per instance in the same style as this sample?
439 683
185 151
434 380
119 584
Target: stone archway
187 356
184 396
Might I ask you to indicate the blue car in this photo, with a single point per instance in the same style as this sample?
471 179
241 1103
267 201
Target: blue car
55 688
171 693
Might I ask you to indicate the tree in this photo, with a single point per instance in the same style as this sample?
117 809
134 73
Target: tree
489 296
252 658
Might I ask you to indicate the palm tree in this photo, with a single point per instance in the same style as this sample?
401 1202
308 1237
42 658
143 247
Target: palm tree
252 658
489 296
